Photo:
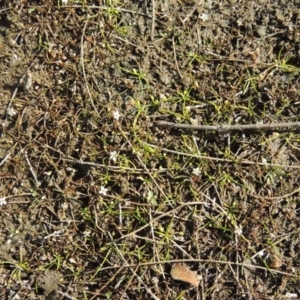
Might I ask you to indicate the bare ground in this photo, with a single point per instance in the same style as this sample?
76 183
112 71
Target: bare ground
99 200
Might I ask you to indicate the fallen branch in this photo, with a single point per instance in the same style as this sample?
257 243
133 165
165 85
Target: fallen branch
236 127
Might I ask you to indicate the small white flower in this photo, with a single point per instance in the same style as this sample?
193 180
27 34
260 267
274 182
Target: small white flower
103 191
113 156
2 201
116 115
196 171
261 253
203 17
64 1
238 230
87 233
11 112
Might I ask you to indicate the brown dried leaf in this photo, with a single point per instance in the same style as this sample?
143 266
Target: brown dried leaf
183 273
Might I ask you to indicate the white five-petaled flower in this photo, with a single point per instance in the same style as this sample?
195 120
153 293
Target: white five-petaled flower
87 233
203 17
196 171
2 201
238 230
103 191
116 115
113 156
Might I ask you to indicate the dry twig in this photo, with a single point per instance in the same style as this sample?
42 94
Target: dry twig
236 127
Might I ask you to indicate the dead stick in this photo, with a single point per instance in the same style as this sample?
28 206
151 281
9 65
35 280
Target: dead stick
236 127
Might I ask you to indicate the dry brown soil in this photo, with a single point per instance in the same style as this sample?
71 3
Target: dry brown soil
98 200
